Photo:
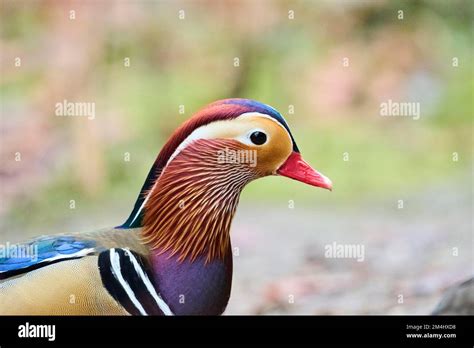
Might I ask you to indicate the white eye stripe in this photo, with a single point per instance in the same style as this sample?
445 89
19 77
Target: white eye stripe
209 132
250 114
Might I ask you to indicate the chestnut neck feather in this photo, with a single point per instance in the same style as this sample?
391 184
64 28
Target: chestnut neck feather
190 210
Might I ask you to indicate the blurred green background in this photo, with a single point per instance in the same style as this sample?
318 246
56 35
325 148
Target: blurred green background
291 55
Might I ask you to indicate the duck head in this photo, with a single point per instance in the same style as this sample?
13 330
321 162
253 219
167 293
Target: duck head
190 196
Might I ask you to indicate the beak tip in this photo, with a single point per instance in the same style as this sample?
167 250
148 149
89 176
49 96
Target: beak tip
297 169
328 183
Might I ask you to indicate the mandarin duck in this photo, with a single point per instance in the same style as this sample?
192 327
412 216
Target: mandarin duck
173 255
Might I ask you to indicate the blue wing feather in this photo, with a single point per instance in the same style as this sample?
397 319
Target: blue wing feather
43 250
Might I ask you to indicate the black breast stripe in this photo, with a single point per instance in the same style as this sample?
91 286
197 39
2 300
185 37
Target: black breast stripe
128 281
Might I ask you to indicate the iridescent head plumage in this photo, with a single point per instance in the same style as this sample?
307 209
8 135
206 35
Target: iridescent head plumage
189 198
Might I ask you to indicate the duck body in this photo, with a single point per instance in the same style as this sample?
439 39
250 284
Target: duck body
74 285
173 255
64 277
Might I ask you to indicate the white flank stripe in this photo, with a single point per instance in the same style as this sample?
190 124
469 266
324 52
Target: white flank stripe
80 253
151 289
115 262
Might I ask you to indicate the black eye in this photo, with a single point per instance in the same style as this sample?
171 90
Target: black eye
258 138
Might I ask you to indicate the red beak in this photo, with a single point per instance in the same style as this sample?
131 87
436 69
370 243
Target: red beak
296 168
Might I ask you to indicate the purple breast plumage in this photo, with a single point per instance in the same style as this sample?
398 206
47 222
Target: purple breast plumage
193 288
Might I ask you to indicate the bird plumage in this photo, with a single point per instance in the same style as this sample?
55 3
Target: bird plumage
226 109
55 282
173 254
